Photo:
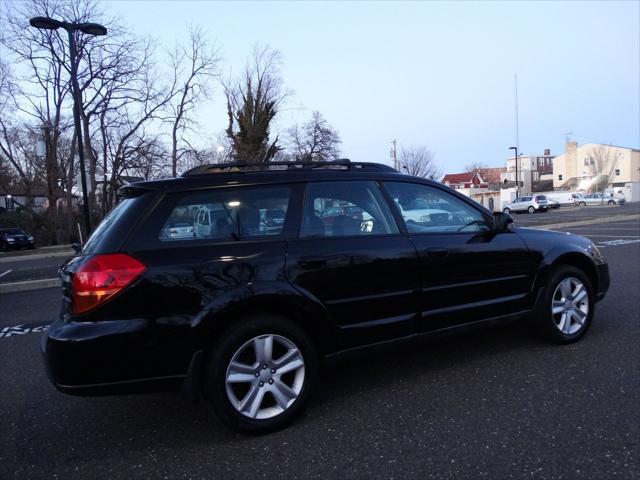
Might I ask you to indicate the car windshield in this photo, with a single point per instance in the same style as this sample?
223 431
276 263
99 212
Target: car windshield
12 231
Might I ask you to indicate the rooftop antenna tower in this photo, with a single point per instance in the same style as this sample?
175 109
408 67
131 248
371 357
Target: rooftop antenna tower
515 88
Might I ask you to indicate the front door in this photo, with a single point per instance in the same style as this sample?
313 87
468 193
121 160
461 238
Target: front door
351 256
468 272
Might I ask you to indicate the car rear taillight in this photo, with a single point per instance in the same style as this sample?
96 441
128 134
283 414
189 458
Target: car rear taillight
101 278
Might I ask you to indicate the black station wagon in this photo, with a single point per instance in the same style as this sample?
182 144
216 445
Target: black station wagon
234 281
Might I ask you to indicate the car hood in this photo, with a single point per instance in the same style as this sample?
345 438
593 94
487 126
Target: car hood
536 238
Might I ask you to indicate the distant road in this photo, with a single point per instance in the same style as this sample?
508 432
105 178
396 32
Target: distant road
25 268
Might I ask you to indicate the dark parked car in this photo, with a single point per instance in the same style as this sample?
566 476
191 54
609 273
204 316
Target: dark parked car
15 238
244 313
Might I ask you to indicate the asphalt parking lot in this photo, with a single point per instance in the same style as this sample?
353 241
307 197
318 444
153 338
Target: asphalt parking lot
493 404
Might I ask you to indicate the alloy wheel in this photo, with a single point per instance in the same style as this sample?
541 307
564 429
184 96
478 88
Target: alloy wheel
265 376
570 305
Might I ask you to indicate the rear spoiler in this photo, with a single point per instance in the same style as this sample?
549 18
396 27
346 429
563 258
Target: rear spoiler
133 190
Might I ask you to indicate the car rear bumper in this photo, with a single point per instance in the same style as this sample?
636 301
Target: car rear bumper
115 357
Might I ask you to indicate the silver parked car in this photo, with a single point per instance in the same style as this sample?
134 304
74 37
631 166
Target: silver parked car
531 204
599 199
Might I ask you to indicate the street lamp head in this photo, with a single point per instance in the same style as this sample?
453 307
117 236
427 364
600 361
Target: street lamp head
45 23
92 28
513 148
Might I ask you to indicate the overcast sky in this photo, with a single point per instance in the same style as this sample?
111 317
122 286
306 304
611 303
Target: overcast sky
435 74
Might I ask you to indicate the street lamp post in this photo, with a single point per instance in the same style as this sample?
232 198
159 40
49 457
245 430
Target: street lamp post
517 181
45 23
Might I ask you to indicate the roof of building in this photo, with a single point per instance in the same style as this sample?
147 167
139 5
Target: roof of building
465 177
492 174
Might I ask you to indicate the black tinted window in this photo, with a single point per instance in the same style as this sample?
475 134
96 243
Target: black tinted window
427 209
227 214
334 209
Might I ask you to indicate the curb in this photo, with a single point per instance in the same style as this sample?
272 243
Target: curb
36 251
595 221
36 256
27 285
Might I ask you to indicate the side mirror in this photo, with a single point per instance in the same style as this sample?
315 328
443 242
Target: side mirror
502 222
76 247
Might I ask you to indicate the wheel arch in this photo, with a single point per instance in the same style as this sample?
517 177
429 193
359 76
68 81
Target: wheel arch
274 298
579 261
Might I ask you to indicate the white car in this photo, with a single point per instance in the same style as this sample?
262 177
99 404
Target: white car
180 230
599 199
531 204
423 216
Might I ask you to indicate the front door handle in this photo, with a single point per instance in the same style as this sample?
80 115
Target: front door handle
312 262
437 252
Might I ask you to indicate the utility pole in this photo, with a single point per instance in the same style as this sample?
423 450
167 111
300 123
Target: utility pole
517 146
394 154
515 88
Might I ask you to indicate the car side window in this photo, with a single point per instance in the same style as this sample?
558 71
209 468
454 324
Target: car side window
227 214
336 209
426 209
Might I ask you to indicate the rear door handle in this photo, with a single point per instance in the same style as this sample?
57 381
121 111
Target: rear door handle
312 262
437 252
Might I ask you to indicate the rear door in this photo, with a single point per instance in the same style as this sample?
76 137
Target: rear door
359 266
517 205
468 272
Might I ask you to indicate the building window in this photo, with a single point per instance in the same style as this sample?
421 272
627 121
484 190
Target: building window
560 177
617 172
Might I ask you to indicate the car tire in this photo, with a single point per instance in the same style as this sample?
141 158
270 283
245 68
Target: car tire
564 317
507 211
232 401
531 210
583 204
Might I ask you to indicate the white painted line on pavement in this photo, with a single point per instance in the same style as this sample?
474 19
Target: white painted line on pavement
615 243
11 287
611 236
7 332
612 229
5 273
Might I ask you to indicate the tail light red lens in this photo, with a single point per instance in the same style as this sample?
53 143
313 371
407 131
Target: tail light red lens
102 277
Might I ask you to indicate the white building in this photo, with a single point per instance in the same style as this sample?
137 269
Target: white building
531 170
597 167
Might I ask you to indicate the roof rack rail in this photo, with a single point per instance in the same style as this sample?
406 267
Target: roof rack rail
341 164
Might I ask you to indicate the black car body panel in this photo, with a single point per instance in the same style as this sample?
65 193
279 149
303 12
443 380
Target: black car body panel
348 291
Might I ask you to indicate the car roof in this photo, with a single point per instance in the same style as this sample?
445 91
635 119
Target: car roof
266 176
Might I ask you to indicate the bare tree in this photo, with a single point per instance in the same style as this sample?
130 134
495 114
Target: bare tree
252 103
315 140
419 162
475 165
602 161
42 84
194 67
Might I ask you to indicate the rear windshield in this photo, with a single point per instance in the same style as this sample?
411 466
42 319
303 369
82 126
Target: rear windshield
103 227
